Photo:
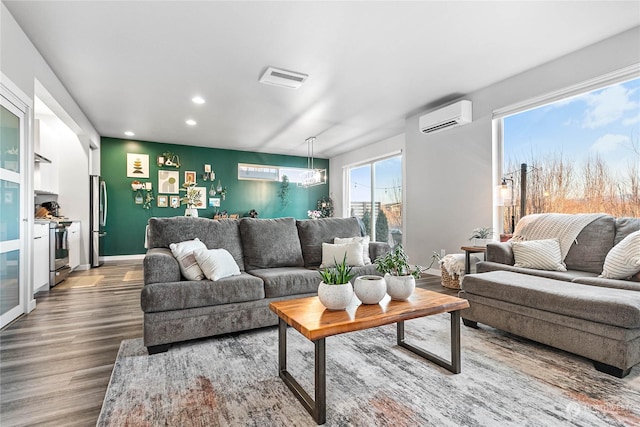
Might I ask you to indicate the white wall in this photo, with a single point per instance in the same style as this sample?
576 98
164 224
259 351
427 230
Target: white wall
28 71
449 174
338 163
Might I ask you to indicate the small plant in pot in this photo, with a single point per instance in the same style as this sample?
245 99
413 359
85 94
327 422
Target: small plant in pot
335 290
480 236
398 273
370 289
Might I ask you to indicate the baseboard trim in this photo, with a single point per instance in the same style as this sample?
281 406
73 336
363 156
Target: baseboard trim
122 258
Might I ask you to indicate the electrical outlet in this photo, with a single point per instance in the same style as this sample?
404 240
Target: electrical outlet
442 253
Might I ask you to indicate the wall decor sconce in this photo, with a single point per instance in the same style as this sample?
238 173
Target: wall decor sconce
168 159
160 161
136 185
209 174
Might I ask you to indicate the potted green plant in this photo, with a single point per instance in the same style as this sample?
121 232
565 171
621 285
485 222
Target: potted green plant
398 273
335 290
480 236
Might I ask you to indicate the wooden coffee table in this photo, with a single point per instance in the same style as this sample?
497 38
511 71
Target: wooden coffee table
309 317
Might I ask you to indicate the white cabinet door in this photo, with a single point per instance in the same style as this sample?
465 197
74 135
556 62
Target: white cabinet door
40 256
74 245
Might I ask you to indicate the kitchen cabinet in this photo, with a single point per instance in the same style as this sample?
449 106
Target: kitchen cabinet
74 244
40 256
45 171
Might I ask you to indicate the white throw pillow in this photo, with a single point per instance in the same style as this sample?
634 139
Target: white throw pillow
539 255
183 252
217 263
365 245
623 260
332 254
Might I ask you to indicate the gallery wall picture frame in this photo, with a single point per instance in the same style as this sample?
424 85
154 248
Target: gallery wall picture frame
169 182
174 201
203 197
137 165
163 201
189 177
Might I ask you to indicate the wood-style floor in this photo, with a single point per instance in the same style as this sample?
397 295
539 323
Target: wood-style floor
56 362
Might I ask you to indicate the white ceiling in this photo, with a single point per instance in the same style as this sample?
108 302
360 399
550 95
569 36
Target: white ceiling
135 65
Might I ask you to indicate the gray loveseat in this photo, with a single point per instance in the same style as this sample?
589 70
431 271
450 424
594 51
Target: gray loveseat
278 260
576 310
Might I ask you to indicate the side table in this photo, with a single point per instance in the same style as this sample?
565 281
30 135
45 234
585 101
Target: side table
468 250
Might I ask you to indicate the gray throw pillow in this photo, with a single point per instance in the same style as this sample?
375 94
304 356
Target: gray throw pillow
270 243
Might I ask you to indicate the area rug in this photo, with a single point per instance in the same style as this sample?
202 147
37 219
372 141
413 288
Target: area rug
79 282
232 380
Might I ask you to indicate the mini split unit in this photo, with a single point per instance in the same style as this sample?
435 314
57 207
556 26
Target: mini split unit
447 117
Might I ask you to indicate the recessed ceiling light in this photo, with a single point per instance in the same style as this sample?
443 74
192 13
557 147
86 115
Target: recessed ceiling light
129 133
198 100
191 122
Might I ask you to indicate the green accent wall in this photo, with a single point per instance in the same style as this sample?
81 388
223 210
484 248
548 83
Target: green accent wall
126 220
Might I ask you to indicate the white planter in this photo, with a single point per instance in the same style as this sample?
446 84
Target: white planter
370 289
335 297
191 212
480 242
400 288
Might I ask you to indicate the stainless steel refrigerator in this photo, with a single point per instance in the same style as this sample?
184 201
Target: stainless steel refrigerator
98 215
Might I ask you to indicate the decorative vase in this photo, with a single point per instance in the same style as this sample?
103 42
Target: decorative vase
480 242
335 297
400 288
370 289
191 212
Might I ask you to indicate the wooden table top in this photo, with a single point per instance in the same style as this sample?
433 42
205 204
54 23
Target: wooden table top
309 317
474 249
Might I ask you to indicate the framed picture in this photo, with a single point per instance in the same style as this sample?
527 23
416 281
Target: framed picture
203 197
163 201
174 201
137 165
169 182
189 176
214 202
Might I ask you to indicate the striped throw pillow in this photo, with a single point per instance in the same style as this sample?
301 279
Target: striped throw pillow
623 260
539 255
183 252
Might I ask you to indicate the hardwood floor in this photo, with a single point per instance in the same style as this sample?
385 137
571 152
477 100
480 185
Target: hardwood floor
56 362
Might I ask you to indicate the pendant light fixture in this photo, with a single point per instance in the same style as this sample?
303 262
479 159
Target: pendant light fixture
312 176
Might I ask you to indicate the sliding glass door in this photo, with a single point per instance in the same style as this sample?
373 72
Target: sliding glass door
12 295
375 196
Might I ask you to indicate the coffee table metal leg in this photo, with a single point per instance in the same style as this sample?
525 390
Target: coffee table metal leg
454 365
317 408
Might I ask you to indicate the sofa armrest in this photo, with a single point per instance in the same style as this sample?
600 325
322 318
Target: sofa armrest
160 266
500 252
377 249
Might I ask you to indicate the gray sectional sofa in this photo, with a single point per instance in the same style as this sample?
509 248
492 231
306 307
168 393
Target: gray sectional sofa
278 260
575 311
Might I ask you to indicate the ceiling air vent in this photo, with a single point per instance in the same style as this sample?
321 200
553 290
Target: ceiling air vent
283 78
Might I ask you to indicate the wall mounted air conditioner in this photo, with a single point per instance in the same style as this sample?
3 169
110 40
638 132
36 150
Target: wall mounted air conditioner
447 117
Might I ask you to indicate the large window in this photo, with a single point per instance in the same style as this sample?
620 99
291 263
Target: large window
375 196
577 154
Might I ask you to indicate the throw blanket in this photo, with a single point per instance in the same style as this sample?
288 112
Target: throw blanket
564 227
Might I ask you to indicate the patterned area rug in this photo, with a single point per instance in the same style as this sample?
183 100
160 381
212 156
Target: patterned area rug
233 381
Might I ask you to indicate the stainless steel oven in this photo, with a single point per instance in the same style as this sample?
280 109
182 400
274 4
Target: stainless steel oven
58 253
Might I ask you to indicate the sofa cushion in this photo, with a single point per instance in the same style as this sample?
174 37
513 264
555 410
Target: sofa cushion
567 276
214 234
270 243
333 254
623 260
365 240
539 255
616 307
591 246
190 294
285 281
216 264
184 252
313 233
624 227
